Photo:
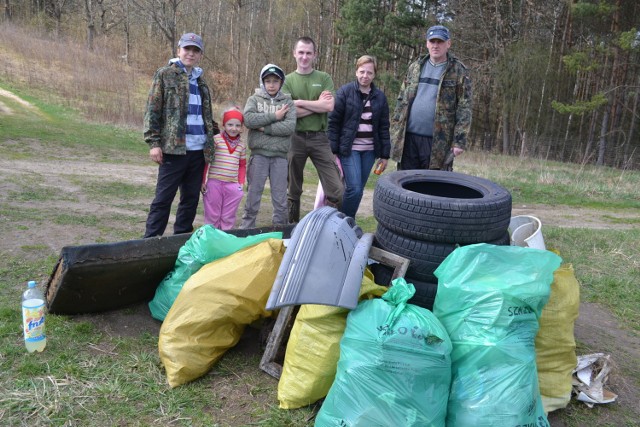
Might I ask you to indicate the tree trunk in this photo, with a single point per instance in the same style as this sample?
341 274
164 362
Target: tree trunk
7 10
558 14
523 145
216 35
91 26
127 33
247 81
506 131
487 140
631 135
603 136
235 45
616 71
590 137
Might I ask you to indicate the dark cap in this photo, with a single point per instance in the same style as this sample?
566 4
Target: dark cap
438 32
270 69
191 39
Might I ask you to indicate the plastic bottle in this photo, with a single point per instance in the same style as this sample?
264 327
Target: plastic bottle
378 170
33 314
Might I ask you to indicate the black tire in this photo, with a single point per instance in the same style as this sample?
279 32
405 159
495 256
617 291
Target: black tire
425 293
381 274
424 257
443 207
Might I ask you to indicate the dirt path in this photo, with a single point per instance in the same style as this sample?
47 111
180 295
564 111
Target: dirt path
600 332
24 104
63 173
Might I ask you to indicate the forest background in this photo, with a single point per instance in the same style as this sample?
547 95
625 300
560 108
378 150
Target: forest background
552 79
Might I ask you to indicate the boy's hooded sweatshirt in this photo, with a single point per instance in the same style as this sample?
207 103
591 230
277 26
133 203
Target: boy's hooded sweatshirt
260 112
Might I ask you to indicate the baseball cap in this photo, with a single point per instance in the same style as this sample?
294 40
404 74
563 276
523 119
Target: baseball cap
438 32
191 39
270 69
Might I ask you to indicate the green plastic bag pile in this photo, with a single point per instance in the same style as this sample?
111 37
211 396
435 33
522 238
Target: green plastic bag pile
489 300
205 245
394 367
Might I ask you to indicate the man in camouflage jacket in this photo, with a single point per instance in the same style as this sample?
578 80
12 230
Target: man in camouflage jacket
452 113
177 124
165 126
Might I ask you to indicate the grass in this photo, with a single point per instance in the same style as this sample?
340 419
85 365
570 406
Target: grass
609 267
91 377
59 131
554 183
97 84
120 190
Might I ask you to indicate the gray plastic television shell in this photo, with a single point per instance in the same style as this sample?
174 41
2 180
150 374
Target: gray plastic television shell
324 262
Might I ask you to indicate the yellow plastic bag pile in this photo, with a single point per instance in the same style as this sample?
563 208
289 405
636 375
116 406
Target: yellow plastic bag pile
214 306
555 343
313 349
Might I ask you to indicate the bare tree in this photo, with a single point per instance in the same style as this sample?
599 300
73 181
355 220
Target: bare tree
524 56
56 9
7 10
164 14
91 25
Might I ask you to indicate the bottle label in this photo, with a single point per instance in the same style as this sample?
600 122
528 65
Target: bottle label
33 320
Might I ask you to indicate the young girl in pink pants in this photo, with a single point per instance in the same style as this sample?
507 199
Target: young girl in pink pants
225 172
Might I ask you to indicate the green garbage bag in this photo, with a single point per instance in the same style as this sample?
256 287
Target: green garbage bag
394 367
489 300
205 245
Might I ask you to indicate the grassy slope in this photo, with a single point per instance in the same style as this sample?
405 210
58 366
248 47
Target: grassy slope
88 378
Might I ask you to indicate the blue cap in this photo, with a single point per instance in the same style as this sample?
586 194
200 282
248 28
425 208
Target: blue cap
191 39
31 284
438 32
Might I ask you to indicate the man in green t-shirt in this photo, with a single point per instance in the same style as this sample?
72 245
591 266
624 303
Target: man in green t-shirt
312 93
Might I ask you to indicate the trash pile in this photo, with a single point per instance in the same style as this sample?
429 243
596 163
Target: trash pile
497 349
590 377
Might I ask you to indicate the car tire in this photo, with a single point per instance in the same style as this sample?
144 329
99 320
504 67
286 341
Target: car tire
425 294
442 207
424 256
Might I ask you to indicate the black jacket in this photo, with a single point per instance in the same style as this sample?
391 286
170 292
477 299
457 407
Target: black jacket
345 119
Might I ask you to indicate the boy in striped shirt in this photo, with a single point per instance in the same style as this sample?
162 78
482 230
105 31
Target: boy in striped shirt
177 124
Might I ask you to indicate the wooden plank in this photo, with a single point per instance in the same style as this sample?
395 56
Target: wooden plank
273 356
399 263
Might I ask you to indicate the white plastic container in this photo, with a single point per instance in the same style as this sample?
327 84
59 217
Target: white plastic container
526 231
33 315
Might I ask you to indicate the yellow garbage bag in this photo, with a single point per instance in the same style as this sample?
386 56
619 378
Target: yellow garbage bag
313 349
211 311
555 342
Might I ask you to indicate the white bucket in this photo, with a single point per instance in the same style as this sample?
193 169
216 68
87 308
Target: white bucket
526 231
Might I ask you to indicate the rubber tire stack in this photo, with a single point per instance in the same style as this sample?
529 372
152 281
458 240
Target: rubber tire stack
423 215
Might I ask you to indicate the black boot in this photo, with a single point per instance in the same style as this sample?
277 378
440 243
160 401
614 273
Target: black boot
294 211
